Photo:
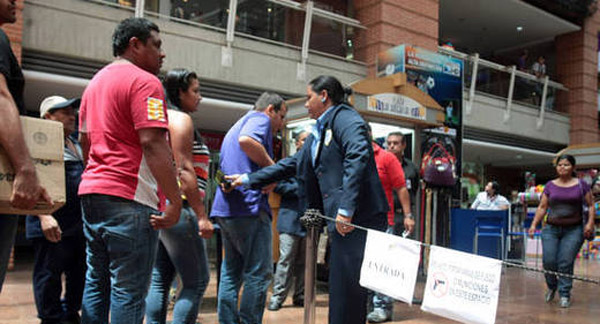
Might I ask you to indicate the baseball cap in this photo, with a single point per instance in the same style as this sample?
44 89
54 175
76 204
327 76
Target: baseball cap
57 102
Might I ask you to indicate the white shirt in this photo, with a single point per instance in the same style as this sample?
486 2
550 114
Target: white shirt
483 202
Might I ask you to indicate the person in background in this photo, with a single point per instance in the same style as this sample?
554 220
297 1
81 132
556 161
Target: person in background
337 175
396 144
292 242
392 179
244 215
539 67
129 172
58 240
522 61
27 190
562 236
490 199
181 248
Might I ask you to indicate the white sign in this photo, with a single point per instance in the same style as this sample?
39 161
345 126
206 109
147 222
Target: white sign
462 286
396 104
390 265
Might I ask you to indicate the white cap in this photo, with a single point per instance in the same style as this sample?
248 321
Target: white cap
57 102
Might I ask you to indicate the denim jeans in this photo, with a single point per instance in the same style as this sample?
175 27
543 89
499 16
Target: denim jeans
560 245
381 301
181 251
248 260
52 260
8 230
290 266
121 246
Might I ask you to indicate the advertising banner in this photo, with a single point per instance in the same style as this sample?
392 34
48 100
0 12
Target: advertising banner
396 104
462 286
439 76
390 265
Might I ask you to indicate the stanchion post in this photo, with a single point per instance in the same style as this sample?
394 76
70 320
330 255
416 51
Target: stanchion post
312 222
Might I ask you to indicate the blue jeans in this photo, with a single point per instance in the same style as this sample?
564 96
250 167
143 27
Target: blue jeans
381 301
560 245
248 260
121 246
180 250
52 260
8 230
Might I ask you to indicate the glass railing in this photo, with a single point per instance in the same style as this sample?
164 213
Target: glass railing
268 20
280 21
493 79
332 37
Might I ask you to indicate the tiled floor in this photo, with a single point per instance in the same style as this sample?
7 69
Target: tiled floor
521 301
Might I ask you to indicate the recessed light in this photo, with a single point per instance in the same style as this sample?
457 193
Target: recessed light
519 28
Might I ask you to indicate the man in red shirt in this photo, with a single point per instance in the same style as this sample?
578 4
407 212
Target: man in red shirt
129 166
392 179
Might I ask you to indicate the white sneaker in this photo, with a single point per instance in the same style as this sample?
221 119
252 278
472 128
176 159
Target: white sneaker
379 315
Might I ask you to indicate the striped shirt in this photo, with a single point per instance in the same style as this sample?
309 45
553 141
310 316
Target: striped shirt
201 161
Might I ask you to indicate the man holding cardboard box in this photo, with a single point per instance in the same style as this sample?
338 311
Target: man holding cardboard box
123 125
26 190
58 239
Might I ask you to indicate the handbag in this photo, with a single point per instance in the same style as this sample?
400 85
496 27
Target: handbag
438 167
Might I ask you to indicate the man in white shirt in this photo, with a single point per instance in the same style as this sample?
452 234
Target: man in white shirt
490 199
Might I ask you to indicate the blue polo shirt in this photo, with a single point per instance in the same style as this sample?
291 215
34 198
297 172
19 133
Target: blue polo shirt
242 201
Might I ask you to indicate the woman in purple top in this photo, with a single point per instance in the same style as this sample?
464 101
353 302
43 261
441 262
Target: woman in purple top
562 236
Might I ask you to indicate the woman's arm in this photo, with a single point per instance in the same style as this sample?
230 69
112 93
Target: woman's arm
589 229
539 214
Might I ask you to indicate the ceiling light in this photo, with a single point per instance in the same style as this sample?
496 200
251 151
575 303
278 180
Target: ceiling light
519 28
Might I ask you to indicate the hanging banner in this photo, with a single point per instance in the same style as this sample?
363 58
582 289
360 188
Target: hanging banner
396 104
462 286
390 265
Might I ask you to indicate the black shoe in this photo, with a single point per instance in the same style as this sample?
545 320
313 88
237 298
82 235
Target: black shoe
274 306
299 303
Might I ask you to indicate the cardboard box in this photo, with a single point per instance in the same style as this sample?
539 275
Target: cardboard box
45 141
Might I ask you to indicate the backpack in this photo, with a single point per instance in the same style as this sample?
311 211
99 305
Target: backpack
438 167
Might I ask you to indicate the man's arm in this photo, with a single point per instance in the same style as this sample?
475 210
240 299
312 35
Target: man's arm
181 129
84 141
255 151
157 154
404 198
26 186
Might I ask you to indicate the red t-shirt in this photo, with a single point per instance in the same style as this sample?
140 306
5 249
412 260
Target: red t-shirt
121 99
391 176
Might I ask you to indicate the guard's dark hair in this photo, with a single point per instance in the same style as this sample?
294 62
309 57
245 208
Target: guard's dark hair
266 99
128 28
403 138
175 80
569 158
336 92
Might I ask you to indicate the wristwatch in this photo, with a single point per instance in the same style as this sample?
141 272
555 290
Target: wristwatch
409 216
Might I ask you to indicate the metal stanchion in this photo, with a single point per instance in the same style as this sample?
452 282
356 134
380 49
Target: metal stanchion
313 223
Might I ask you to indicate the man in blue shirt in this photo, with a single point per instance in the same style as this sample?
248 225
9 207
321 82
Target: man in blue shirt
244 215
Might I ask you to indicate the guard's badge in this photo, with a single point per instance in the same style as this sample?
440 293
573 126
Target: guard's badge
328 136
156 109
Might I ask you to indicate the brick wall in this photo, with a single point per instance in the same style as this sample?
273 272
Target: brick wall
395 22
577 69
15 31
